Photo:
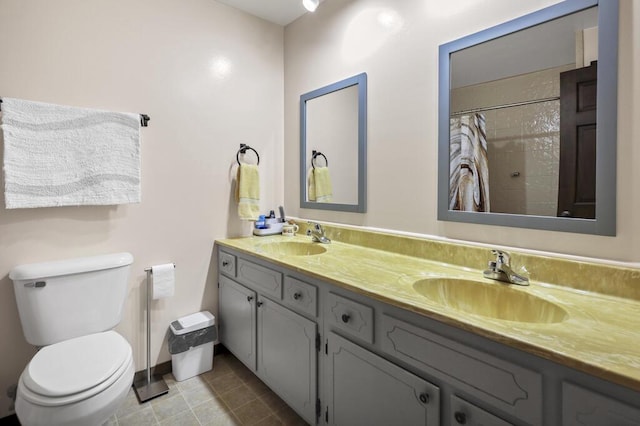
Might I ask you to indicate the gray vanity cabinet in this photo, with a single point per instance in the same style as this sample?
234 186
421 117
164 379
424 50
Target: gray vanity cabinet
365 389
274 341
338 357
287 355
237 320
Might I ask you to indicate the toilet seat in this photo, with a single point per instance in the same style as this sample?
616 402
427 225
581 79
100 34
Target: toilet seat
76 369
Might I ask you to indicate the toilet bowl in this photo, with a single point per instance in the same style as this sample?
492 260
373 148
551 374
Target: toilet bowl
83 370
81 381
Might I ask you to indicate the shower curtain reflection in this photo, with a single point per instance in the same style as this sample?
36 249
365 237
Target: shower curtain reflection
469 165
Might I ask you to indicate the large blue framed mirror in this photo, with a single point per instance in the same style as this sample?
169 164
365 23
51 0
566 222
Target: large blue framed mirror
527 122
333 146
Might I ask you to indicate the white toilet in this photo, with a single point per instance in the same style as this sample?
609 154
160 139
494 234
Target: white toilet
84 370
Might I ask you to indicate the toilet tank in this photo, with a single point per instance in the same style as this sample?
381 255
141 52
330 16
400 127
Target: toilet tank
70 298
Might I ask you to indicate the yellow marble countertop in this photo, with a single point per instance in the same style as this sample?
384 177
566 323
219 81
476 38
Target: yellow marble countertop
600 334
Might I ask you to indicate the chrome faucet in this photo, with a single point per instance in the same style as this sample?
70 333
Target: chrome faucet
500 270
316 231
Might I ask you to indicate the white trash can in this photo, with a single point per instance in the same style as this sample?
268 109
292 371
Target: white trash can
191 344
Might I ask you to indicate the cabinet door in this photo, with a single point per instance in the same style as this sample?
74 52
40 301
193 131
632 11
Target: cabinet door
582 407
364 389
237 320
287 356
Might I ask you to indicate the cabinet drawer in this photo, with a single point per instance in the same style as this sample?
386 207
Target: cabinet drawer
581 406
351 317
265 280
300 296
227 263
465 413
501 384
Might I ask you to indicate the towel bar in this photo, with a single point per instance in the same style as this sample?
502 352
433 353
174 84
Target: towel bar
144 118
243 150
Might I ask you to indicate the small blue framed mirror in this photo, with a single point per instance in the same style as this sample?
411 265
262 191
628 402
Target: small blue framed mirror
333 146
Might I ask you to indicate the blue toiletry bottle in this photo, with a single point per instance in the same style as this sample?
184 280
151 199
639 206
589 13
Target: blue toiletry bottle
260 223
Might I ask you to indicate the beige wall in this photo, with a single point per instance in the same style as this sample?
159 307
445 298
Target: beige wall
156 57
396 43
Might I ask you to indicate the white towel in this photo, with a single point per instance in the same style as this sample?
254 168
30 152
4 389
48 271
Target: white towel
64 156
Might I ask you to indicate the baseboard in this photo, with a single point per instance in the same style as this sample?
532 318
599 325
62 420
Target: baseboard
219 348
11 420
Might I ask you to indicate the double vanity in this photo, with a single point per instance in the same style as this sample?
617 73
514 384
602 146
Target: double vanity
381 329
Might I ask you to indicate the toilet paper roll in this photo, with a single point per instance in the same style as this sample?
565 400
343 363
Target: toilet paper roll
164 280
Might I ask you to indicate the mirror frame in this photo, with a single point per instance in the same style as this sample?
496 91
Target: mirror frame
606 116
359 80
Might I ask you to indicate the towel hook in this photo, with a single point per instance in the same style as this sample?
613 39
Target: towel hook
315 154
243 150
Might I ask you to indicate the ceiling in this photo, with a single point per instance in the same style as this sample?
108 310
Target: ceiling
281 12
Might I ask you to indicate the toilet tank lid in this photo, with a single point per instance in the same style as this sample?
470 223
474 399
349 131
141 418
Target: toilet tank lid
70 266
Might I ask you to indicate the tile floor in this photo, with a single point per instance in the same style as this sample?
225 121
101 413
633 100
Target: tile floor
228 395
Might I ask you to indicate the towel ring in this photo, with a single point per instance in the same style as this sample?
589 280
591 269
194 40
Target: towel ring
315 154
243 150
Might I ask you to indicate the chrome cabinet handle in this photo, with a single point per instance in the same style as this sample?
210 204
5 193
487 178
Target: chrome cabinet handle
249 298
345 318
297 295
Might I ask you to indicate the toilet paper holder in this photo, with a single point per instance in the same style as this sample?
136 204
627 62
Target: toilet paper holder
147 387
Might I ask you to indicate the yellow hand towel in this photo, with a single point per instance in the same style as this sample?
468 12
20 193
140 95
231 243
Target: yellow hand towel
323 191
248 191
312 186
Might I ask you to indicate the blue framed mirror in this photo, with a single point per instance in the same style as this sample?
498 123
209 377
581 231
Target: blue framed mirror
333 146
527 122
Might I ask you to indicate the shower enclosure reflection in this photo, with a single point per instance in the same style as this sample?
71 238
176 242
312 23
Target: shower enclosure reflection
506 125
